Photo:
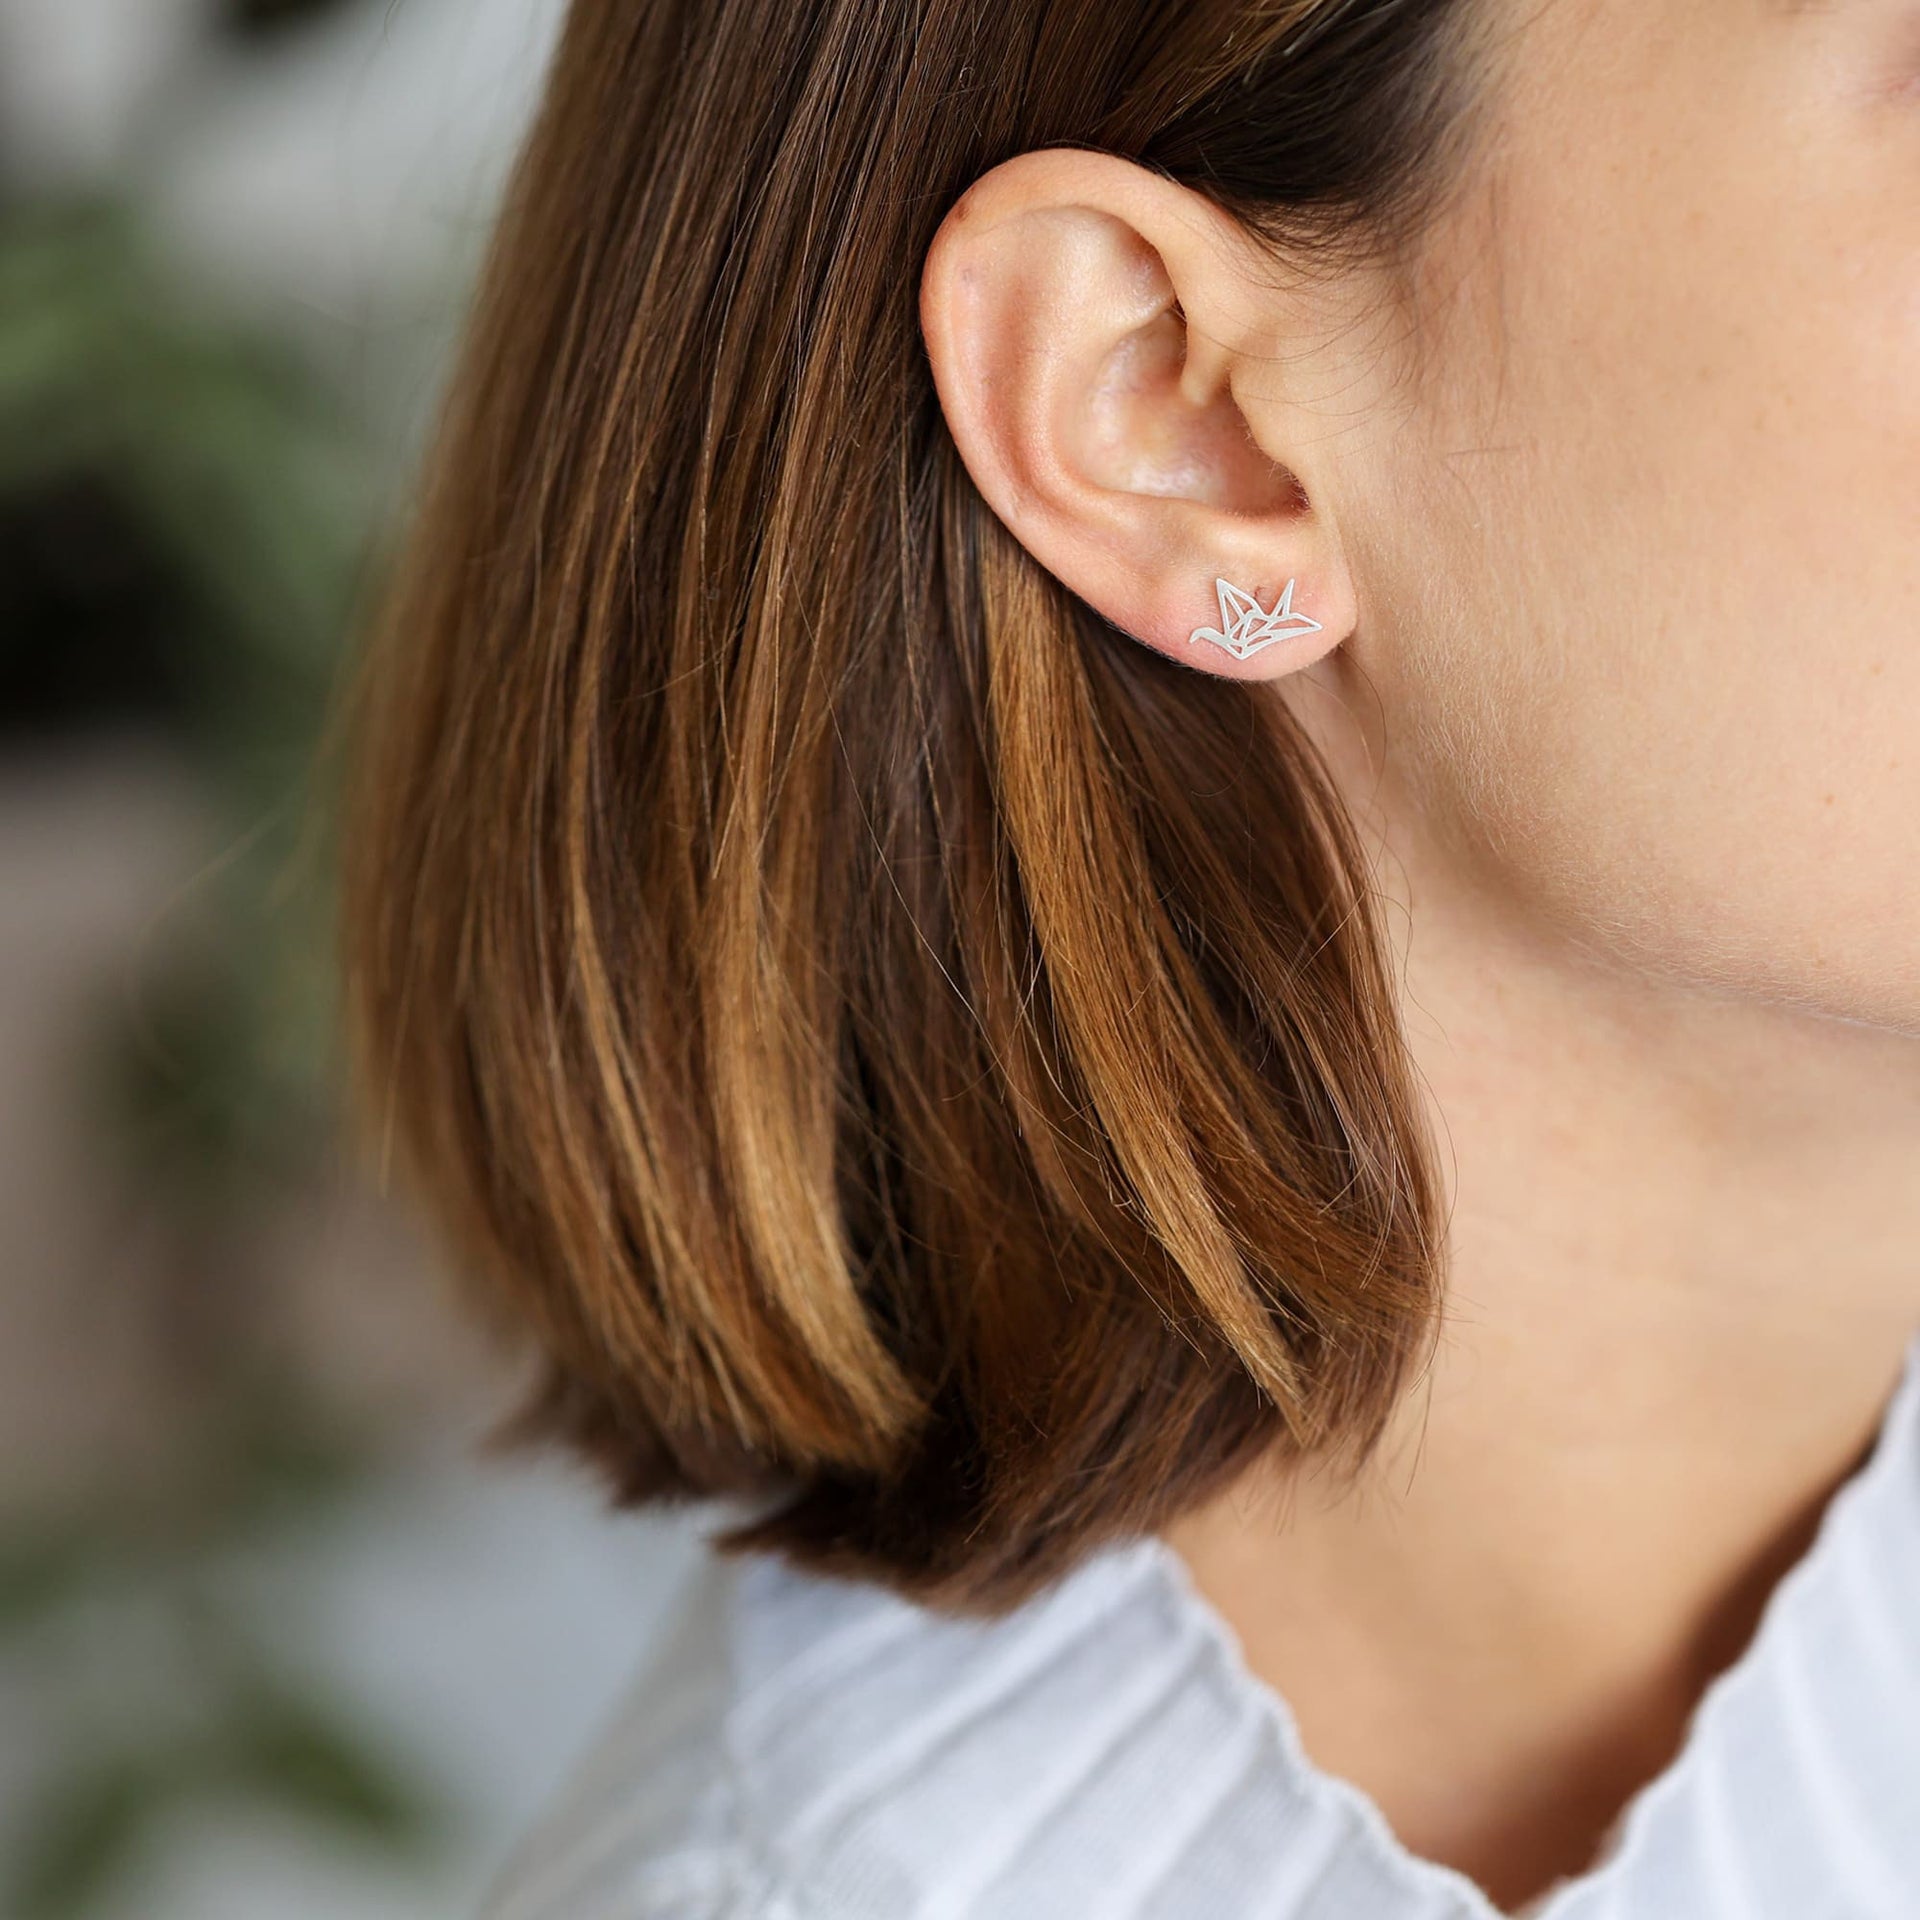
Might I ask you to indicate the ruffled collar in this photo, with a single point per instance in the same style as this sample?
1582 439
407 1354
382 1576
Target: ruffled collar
1106 1750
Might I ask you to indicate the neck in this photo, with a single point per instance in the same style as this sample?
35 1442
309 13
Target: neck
1683 1273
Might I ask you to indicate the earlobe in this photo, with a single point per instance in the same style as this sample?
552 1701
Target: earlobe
1246 627
1093 328
1260 631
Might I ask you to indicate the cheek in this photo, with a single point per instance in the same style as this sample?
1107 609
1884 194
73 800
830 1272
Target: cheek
1674 700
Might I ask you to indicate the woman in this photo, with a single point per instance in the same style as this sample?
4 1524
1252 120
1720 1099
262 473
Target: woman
1136 848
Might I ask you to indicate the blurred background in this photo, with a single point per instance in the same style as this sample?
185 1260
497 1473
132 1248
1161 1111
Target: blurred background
275 1638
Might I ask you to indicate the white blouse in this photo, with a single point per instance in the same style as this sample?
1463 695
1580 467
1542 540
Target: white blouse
805 1748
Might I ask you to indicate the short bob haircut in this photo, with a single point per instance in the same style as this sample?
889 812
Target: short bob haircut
908 1058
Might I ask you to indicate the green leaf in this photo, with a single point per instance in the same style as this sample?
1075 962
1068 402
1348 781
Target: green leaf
41 1570
295 1753
80 1835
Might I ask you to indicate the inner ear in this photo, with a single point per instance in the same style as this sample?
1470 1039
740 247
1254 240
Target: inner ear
1146 425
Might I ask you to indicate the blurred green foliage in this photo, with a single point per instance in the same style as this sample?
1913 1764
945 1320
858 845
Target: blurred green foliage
229 474
265 19
187 511
150 1665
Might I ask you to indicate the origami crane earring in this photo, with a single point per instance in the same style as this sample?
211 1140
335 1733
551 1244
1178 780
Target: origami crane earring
1245 626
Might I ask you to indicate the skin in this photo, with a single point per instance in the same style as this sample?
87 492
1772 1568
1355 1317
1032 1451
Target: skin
1606 503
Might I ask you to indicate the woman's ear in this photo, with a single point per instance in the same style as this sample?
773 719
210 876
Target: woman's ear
1127 378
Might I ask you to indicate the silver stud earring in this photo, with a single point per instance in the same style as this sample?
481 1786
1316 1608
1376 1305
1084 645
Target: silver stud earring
1246 626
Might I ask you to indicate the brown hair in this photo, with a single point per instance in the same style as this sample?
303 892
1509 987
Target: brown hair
914 1059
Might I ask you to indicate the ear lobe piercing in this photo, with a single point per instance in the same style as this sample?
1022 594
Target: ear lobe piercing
1245 626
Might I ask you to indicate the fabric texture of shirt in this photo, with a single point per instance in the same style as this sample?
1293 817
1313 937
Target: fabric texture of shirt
807 1748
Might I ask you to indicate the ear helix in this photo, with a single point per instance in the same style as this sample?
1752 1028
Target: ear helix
1245 626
